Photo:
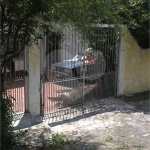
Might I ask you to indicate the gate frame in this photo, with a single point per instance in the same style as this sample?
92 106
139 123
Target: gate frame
43 46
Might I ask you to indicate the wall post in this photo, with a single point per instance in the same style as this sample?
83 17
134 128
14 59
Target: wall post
33 104
121 63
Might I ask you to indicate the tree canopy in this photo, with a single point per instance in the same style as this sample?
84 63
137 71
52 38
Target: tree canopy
135 14
22 20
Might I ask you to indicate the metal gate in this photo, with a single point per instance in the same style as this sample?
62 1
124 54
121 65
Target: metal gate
78 69
15 83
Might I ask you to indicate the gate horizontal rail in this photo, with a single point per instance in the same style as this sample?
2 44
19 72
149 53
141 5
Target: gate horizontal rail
77 72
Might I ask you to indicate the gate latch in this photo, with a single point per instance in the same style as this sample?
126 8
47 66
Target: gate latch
26 73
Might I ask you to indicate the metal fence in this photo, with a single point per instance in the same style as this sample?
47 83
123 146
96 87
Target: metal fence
78 69
14 76
15 84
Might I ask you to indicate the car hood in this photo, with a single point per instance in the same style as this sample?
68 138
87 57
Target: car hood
69 64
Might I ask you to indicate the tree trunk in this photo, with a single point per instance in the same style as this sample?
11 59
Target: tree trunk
2 79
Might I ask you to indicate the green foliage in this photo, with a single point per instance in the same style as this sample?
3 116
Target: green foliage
23 20
21 24
9 139
134 13
109 139
6 132
57 141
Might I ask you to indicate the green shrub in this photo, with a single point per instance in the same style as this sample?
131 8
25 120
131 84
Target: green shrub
135 14
6 129
9 139
57 141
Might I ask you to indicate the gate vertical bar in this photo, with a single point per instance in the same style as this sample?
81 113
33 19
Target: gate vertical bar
42 73
26 72
116 63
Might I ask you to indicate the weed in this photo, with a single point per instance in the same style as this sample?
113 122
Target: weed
140 148
124 145
57 141
108 139
46 129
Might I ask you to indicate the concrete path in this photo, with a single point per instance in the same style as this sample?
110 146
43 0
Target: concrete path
115 125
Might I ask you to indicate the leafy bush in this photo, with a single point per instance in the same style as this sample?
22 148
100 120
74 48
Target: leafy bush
6 130
9 139
134 13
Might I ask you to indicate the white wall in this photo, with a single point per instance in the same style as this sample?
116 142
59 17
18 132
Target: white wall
134 66
71 44
19 63
34 80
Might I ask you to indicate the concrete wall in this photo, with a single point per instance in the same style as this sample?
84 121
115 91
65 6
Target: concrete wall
134 66
32 86
71 44
19 63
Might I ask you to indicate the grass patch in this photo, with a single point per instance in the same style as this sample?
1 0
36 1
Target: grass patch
56 142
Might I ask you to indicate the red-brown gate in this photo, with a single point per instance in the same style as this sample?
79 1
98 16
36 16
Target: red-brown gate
15 83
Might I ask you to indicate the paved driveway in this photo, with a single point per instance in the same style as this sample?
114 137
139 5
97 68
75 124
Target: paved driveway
116 125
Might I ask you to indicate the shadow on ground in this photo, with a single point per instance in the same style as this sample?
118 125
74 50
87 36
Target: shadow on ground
127 104
140 100
107 124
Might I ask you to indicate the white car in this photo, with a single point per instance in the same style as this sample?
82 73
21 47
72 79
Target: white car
88 65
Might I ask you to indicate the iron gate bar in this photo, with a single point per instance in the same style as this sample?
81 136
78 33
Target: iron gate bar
14 82
72 112
54 85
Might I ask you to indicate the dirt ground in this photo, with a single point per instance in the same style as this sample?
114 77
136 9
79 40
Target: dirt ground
140 100
118 124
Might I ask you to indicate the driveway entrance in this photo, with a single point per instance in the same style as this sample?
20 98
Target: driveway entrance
77 70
